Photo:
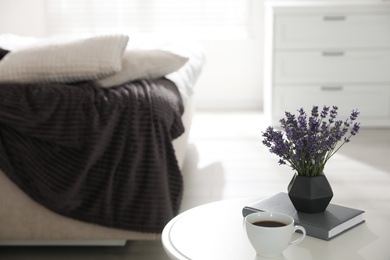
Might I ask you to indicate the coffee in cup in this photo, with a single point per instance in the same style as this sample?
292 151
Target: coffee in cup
270 233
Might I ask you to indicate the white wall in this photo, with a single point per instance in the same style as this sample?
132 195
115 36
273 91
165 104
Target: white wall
232 76
24 17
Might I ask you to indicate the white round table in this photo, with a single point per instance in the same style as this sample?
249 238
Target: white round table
216 231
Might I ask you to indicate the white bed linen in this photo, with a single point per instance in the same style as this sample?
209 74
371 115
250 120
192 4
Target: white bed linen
184 78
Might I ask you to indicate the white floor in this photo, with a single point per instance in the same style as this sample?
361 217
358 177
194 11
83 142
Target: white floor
226 160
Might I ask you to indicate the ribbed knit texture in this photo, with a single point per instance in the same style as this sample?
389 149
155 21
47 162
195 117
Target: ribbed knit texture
65 62
99 155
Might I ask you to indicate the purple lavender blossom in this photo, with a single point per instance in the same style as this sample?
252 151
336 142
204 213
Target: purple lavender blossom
307 144
324 112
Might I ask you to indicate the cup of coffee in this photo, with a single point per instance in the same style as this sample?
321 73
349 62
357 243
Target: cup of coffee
270 233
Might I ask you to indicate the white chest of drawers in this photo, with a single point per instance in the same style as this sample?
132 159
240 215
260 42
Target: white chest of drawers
328 53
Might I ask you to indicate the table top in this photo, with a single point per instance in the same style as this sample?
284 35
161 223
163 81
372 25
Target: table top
216 231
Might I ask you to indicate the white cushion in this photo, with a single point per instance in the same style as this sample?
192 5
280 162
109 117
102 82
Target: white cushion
77 60
14 42
144 64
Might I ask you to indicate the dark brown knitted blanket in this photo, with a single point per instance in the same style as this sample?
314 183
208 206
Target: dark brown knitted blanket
98 155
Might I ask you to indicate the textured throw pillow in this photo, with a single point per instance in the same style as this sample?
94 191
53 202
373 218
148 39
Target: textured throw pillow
83 59
144 64
3 53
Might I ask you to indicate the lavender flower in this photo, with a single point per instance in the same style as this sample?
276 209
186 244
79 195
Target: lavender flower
306 145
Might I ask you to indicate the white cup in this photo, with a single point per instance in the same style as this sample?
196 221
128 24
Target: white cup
271 241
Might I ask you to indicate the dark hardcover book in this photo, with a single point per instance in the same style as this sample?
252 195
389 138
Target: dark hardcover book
326 225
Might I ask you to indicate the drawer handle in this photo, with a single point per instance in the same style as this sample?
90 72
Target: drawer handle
331 88
333 53
335 18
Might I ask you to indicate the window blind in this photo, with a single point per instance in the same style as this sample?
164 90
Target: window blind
201 18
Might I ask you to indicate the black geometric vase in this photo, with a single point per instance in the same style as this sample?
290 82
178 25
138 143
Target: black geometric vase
310 194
